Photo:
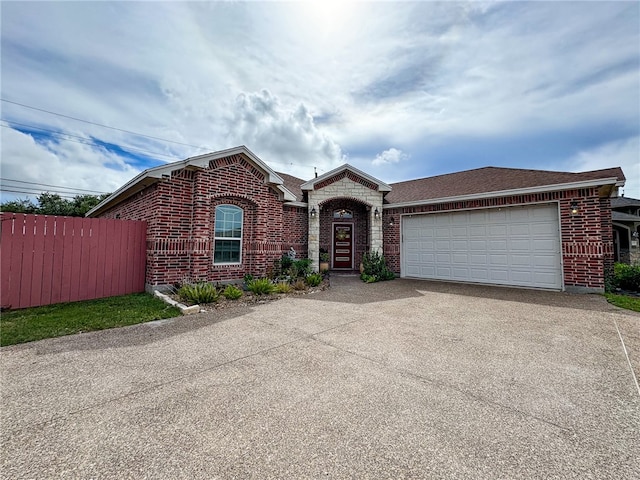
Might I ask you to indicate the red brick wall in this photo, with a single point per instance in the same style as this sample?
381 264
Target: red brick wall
180 214
296 230
587 246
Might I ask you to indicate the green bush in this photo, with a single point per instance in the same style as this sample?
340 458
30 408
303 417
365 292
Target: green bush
375 268
300 268
313 279
261 286
231 292
626 277
202 292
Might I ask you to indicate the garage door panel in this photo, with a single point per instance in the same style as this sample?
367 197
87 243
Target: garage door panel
498 231
498 245
520 229
544 261
477 231
476 259
499 276
521 261
508 246
460 258
478 245
520 245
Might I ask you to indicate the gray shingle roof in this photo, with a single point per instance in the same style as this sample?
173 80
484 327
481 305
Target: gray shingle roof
487 179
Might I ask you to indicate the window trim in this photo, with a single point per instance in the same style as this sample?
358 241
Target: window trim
238 239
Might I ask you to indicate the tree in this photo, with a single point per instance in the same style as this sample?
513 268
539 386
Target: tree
54 204
19 206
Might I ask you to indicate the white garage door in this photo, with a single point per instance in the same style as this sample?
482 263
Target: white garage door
506 246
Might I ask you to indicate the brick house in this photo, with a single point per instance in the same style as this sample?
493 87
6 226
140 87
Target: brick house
222 215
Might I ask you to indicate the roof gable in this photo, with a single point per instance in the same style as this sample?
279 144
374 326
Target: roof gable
153 175
350 172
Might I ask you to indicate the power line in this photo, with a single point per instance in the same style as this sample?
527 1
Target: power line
125 131
88 140
34 193
48 185
102 125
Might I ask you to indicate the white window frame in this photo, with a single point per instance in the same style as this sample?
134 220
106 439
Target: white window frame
216 238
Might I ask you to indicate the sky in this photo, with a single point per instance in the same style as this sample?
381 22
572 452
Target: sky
95 92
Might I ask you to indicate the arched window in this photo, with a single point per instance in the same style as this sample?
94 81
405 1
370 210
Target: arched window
227 246
342 213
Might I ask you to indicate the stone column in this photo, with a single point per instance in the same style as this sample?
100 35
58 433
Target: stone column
314 235
375 233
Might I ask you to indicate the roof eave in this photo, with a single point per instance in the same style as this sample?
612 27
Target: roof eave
201 161
506 193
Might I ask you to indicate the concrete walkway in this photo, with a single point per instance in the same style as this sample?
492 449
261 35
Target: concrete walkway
403 379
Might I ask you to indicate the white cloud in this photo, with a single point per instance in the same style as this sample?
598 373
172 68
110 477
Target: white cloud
324 80
620 153
390 156
285 137
61 164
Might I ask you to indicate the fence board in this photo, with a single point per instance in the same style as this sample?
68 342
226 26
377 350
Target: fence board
46 259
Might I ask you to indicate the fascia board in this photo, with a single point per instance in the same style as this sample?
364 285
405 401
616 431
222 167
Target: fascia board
506 193
382 187
201 161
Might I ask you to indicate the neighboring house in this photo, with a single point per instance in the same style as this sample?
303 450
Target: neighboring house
222 215
626 229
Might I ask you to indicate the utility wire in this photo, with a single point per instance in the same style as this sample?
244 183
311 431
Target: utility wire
102 125
48 185
87 141
35 193
125 131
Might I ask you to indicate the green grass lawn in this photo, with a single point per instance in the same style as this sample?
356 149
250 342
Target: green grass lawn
624 301
29 324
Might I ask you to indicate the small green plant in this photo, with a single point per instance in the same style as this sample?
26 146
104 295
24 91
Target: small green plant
324 256
626 277
261 286
300 268
375 268
313 279
202 292
283 287
231 292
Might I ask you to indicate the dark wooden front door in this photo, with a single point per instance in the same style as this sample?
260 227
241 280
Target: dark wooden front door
343 245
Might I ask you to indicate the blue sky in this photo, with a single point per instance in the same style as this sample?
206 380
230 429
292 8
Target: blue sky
399 90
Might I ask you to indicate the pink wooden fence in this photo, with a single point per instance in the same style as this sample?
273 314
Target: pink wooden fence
46 260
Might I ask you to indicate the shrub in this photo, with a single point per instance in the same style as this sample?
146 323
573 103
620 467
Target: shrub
313 279
375 268
626 277
261 286
231 292
283 287
202 292
300 268
299 284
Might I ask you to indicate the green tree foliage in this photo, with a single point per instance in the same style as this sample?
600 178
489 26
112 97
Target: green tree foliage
54 204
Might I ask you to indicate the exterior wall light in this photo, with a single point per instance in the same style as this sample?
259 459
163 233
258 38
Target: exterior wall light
376 214
313 212
391 222
574 207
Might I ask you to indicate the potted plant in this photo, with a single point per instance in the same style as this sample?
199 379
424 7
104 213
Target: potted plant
324 260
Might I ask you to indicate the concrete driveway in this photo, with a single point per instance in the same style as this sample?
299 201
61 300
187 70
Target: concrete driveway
404 379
